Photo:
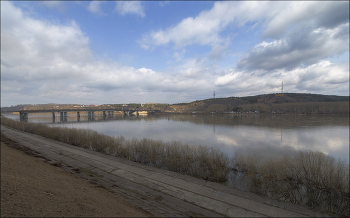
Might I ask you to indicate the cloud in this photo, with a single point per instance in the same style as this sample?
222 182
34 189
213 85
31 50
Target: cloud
179 56
117 78
44 62
308 13
163 3
218 51
275 19
38 56
59 5
199 30
300 48
129 7
303 33
28 42
95 8
322 77
205 28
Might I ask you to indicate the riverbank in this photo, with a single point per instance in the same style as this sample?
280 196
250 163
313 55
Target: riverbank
250 113
161 192
32 188
292 179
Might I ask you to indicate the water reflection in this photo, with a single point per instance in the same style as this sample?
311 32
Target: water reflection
263 135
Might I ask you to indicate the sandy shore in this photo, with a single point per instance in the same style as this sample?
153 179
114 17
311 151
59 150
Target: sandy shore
32 187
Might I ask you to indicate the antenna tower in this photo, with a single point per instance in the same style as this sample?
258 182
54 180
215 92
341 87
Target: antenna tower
214 94
282 86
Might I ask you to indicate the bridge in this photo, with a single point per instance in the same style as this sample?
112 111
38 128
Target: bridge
63 112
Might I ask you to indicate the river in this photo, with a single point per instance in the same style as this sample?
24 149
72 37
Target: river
262 135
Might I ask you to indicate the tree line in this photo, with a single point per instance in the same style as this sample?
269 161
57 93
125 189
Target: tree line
341 107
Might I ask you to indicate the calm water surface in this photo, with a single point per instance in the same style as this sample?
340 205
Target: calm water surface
256 134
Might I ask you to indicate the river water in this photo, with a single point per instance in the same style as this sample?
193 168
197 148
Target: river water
264 135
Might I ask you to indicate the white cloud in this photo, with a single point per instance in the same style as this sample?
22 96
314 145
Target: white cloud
179 56
129 7
218 51
205 29
163 3
95 8
303 47
59 5
322 77
276 19
54 63
228 78
317 14
29 42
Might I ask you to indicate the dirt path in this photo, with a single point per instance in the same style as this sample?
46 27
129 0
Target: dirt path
31 187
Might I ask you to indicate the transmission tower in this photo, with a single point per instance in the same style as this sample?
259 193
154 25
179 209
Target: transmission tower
214 94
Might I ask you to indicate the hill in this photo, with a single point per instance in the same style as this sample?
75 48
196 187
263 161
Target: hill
278 103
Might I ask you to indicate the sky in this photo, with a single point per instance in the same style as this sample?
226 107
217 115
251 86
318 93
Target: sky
105 52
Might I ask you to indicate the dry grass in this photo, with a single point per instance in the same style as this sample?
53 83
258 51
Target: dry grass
201 162
310 178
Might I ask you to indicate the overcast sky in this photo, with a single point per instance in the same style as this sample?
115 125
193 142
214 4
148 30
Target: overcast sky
95 52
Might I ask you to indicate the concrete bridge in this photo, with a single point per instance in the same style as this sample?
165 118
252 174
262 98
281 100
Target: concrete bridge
63 112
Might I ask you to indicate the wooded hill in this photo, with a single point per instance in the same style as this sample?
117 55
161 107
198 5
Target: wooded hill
269 103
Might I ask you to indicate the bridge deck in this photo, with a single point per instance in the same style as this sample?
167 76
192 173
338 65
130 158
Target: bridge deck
80 110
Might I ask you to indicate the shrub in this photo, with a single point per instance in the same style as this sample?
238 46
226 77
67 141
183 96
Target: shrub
308 177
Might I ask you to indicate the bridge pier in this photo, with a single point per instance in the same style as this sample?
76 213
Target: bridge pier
63 116
78 116
104 114
23 116
53 117
91 115
110 114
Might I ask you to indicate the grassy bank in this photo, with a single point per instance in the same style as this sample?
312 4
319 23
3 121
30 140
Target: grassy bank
309 178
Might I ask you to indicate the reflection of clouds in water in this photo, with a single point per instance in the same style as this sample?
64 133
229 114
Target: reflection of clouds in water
267 141
226 140
257 142
329 138
334 144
